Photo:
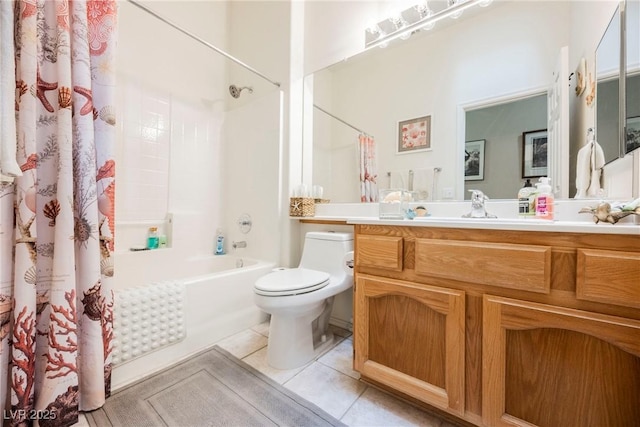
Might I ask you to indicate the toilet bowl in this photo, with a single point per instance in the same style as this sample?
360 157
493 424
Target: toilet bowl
300 299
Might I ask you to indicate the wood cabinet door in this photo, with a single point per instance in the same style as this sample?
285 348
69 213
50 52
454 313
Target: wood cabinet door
411 337
551 366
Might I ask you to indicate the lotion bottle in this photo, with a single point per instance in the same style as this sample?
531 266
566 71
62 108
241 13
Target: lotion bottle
544 199
526 201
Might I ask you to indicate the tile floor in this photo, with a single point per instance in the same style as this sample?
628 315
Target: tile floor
329 382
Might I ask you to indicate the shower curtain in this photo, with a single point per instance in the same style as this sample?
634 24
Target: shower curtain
368 172
55 267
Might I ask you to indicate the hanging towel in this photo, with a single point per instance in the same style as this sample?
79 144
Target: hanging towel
422 183
9 167
589 166
596 165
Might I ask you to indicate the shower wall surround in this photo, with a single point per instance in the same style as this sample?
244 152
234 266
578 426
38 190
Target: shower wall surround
170 159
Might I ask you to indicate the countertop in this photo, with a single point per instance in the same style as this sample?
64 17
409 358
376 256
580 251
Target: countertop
506 224
448 215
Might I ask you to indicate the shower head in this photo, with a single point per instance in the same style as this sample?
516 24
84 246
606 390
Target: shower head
235 91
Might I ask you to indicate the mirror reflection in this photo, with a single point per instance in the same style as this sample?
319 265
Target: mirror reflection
442 76
632 47
608 90
508 132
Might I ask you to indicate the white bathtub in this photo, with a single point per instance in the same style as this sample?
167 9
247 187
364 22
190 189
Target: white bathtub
218 302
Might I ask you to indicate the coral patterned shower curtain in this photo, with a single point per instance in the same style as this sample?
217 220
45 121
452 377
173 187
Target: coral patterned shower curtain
55 298
368 172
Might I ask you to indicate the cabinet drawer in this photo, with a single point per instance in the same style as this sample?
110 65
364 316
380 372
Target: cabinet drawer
379 252
525 267
608 276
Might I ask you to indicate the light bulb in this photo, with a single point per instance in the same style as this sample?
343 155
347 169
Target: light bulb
429 26
457 14
374 29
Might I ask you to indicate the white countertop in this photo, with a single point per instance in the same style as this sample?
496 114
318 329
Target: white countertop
448 215
506 224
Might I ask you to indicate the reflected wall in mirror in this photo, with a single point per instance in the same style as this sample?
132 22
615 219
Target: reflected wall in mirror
632 47
434 73
608 128
502 127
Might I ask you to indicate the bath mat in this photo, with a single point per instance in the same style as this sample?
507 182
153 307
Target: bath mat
212 388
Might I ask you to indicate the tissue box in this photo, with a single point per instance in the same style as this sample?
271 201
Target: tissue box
302 206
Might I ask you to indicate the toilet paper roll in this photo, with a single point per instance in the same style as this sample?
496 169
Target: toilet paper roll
348 263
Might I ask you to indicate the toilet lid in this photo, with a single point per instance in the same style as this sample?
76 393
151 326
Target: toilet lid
291 282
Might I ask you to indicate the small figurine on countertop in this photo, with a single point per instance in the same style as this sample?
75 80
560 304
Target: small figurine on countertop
612 214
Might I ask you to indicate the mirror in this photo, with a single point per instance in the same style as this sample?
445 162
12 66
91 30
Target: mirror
437 74
608 128
632 83
505 130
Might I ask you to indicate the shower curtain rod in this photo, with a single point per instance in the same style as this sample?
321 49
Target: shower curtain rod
204 42
340 120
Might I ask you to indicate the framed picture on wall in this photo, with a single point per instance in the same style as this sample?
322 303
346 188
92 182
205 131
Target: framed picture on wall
633 133
414 135
474 160
534 153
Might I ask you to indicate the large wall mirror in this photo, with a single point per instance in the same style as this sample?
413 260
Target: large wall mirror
608 73
618 83
466 89
632 84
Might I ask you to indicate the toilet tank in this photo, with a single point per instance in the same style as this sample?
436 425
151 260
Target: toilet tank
325 251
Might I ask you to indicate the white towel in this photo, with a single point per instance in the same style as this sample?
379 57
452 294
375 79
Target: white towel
9 167
596 165
583 171
422 183
589 166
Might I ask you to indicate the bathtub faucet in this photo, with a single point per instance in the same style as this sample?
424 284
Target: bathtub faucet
241 244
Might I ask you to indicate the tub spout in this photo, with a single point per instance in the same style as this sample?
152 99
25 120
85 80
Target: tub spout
241 244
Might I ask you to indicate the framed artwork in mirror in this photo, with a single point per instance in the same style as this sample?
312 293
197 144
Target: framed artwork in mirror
414 135
633 133
474 160
534 154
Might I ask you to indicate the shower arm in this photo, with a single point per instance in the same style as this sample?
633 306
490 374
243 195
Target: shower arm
202 41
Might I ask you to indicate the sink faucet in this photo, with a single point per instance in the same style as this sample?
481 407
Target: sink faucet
477 206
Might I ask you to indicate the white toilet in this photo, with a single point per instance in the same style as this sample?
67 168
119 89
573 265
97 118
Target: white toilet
300 299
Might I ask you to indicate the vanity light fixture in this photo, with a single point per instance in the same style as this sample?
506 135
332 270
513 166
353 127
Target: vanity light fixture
413 19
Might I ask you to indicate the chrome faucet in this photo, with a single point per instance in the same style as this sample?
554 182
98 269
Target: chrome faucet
241 244
477 206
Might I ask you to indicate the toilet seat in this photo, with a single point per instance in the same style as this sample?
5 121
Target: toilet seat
292 281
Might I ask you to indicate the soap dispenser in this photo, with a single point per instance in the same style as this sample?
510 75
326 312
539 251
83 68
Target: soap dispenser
526 201
544 199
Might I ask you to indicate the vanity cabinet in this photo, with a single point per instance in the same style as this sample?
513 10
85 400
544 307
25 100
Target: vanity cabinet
501 327
411 337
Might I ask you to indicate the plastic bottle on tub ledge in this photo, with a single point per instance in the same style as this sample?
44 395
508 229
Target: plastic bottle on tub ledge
219 250
152 238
